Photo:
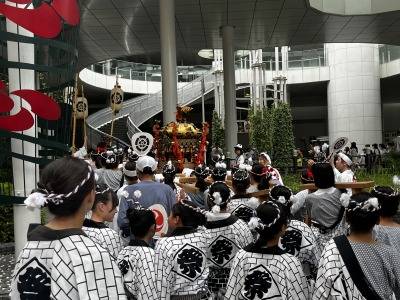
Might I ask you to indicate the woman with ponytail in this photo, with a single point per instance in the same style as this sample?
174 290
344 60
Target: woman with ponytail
357 266
103 210
226 235
298 239
59 261
263 270
388 231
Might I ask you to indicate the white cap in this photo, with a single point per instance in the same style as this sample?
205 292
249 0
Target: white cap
345 158
238 146
146 161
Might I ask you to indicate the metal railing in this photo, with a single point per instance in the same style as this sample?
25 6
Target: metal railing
146 72
388 53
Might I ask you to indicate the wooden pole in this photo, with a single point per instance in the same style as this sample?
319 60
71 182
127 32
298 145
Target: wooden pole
74 114
84 118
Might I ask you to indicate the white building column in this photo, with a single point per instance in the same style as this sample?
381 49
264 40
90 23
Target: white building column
168 60
354 99
25 174
231 128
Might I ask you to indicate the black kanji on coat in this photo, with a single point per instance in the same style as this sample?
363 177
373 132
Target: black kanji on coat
257 283
123 265
190 261
291 241
34 284
244 212
221 250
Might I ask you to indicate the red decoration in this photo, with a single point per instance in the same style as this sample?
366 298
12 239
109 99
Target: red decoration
203 145
176 148
41 105
45 20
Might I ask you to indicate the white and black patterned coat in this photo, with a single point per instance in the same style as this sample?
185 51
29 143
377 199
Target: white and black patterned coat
243 207
106 237
266 273
300 241
225 238
63 265
180 262
136 263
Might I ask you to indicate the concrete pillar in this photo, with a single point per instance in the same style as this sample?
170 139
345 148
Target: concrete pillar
25 174
231 128
354 99
168 60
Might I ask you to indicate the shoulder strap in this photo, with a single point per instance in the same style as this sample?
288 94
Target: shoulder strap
354 268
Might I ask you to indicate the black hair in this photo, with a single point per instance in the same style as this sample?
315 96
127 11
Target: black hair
104 194
140 221
146 171
130 166
273 216
218 174
281 190
241 181
201 174
388 199
223 190
62 177
169 176
259 176
110 160
187 212
361 220
323 175
98 162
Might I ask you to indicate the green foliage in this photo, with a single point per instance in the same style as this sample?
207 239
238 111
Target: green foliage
217 131
6 224
282 136
260 129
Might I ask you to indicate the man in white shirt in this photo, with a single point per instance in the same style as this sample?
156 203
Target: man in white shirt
342 170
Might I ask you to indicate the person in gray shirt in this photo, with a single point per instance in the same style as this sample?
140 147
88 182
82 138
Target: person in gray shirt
324 207
149 194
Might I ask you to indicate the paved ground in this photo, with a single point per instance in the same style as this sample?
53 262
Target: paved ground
6 268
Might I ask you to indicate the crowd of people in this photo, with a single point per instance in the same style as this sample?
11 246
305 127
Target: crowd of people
126 227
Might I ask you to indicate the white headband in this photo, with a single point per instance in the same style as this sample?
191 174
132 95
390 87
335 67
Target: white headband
345 158
130 173
39 199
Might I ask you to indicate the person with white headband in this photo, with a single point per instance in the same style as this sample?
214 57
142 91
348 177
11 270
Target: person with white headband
357 266
60 261
298 239
341 168
239 155
226 235
273 174
103 210
262 270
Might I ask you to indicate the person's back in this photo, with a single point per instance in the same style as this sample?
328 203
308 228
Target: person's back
262 270
356 265
59 261
156 196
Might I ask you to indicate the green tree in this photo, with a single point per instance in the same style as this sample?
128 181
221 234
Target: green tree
217 131
260 129
282 137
